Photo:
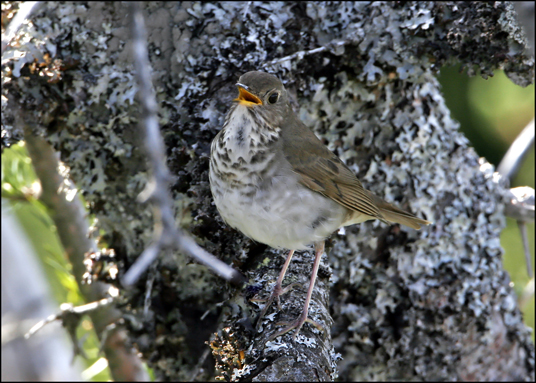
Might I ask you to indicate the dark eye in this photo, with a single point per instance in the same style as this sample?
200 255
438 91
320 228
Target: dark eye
273 98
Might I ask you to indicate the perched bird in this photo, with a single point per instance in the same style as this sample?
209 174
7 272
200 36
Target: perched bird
277 183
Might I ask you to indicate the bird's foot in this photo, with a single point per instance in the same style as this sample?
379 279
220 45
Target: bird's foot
276 293
296 324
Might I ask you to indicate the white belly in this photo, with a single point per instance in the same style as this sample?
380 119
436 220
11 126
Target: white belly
285 215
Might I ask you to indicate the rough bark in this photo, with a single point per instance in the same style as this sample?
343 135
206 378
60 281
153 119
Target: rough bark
434 304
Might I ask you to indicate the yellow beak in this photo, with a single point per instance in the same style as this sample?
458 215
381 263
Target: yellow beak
245 97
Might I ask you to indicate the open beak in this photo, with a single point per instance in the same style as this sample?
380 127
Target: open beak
245 97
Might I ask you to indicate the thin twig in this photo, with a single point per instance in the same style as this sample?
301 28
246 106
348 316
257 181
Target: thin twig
524 237
167 235
301 54
517 152
67 312
25 9
521 208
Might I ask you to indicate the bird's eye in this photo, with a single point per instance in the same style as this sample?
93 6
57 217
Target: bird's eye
273 98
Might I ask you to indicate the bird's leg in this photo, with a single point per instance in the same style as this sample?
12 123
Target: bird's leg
278 289
298 323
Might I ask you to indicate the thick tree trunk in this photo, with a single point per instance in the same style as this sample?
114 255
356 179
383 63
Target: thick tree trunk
433 304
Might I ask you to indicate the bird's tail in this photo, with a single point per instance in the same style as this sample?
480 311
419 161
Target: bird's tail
395 215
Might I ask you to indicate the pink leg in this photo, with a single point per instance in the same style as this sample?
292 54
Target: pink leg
298 323
278 288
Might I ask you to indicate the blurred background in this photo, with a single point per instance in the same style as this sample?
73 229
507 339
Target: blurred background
491 114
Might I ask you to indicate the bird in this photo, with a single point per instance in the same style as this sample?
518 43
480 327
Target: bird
273 180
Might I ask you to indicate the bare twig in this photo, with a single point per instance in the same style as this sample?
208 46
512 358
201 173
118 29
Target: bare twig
167 234
68 312
517 152
301 54
25 9
524 237
521 208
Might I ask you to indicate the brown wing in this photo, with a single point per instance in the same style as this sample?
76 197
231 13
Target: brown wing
322 171
320 175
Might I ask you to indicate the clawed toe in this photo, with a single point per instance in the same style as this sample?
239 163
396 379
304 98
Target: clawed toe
288 288
296 324
276 293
